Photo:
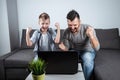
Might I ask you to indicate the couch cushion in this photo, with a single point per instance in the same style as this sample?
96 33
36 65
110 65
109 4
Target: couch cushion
23 39
17 73
20 58
107 65
108 38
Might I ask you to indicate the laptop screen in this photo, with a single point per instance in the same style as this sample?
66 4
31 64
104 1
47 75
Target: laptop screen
60 62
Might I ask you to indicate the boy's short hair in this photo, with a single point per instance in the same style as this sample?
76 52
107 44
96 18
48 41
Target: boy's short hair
44 16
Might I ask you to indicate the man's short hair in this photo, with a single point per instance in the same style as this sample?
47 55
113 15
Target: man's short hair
44 16
72 15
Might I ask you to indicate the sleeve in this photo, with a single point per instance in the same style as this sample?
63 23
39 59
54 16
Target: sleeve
65 40
53 33
34 37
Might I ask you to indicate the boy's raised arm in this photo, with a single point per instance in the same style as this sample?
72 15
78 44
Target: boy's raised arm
57 38
28 41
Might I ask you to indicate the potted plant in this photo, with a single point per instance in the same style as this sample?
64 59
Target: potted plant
37 67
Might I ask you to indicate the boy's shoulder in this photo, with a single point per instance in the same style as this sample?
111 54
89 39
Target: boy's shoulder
37 31
50 30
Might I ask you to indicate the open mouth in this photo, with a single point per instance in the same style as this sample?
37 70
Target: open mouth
74 30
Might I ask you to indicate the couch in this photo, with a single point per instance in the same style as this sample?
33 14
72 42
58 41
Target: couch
107 61
14 65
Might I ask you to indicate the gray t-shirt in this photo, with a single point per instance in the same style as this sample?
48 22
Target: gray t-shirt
46 41
79 41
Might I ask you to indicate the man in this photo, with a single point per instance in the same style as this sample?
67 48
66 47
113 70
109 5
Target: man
82 38
45 37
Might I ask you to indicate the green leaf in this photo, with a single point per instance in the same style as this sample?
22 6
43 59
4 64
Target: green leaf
37 67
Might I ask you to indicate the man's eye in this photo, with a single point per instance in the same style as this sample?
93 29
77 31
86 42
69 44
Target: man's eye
70 25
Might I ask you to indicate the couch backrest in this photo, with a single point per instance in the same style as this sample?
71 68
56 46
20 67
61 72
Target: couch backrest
108 38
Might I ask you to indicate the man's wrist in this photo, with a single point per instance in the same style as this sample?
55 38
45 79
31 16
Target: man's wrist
92 37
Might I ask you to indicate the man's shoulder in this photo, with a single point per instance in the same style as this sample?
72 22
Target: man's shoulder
67 30
85 25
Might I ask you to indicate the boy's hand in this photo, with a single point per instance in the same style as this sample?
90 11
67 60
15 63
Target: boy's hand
29 29
57 25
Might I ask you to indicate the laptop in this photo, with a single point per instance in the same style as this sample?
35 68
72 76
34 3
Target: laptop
60 62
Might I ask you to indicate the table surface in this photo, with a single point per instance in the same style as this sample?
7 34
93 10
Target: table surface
78 76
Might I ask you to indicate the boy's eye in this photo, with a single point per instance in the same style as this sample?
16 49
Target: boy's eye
75 25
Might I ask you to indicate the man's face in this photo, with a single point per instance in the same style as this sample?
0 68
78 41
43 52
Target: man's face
44 24
74 25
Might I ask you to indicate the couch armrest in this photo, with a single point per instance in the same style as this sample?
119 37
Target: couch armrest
2 68
2 71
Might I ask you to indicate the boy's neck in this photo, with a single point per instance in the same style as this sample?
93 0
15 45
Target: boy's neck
43 30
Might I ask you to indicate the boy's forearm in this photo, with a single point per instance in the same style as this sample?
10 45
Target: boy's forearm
28 40
57 39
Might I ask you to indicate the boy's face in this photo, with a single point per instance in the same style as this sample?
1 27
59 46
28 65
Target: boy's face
44 24
74 25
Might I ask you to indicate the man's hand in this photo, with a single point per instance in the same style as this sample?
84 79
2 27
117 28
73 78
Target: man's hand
90 32
29 29
57 25
62 47
94 41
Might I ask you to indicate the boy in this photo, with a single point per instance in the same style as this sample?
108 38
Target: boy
45 37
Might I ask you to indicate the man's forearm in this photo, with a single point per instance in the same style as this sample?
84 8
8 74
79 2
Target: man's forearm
95 43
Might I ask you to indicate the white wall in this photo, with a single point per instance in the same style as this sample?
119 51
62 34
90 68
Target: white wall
98 13
4 31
